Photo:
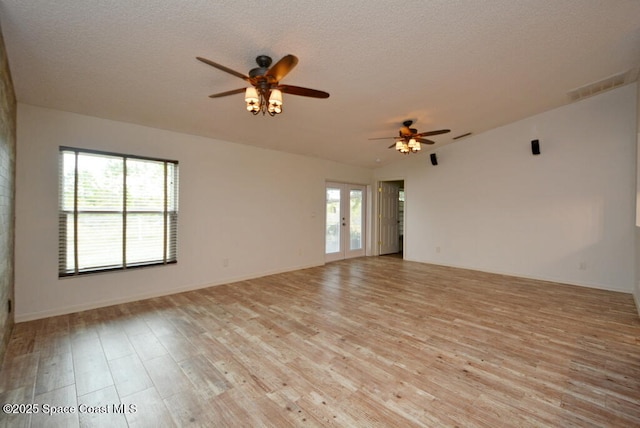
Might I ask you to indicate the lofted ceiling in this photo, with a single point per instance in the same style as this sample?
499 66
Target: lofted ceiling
466 65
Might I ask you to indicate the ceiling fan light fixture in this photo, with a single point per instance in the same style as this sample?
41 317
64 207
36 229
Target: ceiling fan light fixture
275 102
275 97
252 100
274 109
251 95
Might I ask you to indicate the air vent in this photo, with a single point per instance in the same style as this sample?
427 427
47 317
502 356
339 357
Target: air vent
462 136
603 85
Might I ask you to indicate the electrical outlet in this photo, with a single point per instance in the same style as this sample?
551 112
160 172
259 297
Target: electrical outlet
437 249
583 265
225 262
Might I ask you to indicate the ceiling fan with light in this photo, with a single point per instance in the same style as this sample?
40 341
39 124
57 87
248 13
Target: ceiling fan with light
409 140
265 93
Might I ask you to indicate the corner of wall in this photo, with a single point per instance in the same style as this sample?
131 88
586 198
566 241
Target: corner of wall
636 285
7 199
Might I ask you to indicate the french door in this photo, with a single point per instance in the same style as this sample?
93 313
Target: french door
345 221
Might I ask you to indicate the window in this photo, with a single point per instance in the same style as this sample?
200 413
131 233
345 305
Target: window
116 211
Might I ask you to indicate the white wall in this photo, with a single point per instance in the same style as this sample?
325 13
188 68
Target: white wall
262 210
491 205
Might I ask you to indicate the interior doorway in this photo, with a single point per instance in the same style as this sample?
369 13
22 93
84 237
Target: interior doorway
391 200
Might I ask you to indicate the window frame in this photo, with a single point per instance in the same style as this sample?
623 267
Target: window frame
169 215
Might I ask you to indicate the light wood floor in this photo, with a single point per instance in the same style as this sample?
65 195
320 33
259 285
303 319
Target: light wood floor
366 342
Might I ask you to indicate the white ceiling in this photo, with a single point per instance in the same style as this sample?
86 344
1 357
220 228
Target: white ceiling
466 65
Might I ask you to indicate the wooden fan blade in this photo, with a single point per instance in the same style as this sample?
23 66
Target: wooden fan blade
438 132
392 146
223 68
282 67
405 131
382 138
425 141
305 92
224 94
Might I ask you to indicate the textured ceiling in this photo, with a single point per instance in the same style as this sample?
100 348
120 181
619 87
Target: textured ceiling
466 65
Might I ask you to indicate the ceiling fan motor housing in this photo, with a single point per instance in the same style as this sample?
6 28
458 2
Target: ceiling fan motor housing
264 62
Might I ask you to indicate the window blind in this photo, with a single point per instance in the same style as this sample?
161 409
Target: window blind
116 211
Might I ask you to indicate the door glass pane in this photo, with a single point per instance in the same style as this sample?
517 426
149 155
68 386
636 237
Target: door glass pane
332 231
355 223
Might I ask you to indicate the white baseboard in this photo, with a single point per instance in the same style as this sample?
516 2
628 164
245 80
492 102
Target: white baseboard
536 277
31 316
110 302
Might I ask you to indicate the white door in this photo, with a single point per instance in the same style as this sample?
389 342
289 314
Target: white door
344 224
389 218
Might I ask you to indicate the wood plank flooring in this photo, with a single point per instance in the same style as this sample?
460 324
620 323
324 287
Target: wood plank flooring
373 341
